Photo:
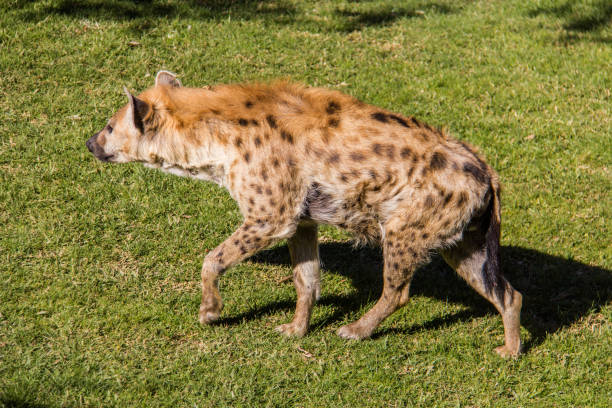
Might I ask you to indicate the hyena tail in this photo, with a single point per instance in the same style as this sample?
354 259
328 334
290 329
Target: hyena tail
491 270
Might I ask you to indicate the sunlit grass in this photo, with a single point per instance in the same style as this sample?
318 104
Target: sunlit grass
100 263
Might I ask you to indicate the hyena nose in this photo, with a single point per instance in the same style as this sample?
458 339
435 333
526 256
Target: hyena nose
89 143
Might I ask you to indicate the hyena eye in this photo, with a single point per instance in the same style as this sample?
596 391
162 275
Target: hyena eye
109 128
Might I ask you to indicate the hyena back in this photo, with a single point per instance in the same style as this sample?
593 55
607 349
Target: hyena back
294 157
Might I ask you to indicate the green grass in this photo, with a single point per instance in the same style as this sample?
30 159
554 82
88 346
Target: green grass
100 263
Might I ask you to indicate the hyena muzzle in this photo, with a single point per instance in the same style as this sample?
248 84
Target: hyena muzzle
294 157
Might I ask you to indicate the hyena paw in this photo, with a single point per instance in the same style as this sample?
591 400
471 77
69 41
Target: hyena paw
507 352
354 331
292 329
207 316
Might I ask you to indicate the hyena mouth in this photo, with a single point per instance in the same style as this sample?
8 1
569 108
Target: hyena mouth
97 151
106 158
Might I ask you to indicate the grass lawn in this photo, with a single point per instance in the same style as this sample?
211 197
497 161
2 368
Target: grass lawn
100 264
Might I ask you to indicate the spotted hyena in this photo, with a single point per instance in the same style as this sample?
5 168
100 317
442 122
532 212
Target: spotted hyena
294 157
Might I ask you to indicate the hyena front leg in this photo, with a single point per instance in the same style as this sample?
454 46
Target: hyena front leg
304 251
249 238
401 256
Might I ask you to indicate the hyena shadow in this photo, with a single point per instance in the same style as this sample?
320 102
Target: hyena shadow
557 292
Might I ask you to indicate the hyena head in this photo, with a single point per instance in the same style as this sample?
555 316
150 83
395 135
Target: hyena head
120 140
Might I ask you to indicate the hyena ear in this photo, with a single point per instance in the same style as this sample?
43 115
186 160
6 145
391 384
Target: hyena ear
138 110
167 78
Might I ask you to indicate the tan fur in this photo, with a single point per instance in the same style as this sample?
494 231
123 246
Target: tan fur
294 157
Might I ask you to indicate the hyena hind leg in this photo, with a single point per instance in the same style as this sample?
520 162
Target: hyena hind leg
401 259
471 259
304 251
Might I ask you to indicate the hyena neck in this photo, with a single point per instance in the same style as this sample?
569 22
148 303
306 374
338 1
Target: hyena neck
178 154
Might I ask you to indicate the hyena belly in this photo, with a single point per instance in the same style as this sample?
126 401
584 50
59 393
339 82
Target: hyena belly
344 209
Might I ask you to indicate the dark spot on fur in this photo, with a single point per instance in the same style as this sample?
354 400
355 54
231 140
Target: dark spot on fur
344 177
332 107
417 224
333 122
463 197
243 122
215 112
257 141
438 161
429 201
373 174
281 209
356 156
384 150
238 142
475 172
243 250
236 242
390 151
258 190
380 116
264 174
423 135
247 157
251 201
399 120
271 121
268 191
248 104
254 122
406 152
333 158
275 163
447 198
425 235
286 136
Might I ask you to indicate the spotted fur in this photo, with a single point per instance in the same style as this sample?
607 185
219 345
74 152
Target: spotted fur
294 157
